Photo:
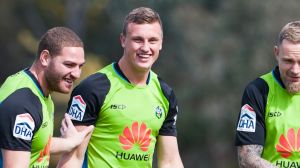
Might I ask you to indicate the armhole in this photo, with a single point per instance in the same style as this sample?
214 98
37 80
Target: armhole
265 89
169 125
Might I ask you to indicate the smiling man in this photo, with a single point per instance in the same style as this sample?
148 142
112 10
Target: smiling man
132 109
268 129
27 110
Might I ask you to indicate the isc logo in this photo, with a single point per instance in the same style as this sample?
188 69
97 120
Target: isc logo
118 106
24 126
77 108
275 114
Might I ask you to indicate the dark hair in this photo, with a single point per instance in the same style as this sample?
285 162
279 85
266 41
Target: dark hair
56 38
141 15
290 32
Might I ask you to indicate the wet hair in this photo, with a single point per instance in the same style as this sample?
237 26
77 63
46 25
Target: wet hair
55 39
290 32
141 15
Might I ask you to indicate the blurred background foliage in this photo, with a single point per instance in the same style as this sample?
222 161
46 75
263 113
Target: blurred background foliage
212 49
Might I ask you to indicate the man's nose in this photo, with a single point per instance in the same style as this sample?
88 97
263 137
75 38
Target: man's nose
295 69
76 72
145 46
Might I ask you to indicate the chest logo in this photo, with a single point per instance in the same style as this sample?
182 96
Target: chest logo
24 126
289 144
137 135
247 119
158 112
45 124
275 114
118 106
77 108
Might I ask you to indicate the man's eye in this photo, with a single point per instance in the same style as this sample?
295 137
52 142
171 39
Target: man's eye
153 41
137 40
288 61
68 65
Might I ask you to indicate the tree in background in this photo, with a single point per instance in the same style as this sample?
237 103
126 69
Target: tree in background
211 49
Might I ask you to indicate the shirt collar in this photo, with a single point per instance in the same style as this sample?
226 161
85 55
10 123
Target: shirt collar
35 81
276 74
120 73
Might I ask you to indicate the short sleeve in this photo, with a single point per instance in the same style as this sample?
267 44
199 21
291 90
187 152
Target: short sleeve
87 99
250 128
169 125
20 118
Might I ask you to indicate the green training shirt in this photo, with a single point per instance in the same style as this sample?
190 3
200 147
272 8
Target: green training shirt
26 118
282 143
269 117
127 118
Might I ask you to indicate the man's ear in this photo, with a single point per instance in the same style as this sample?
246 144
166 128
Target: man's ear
122 40
160 47
276 51
45 57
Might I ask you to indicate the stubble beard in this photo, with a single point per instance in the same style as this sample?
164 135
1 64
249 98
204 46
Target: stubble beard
292 87
54 81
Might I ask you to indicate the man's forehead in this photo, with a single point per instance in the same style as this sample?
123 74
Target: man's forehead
140 29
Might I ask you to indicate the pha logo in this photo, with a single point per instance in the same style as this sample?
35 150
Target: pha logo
77 108
247 121
138 135
288 144
24 126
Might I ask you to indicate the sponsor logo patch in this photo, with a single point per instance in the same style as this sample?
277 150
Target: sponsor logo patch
288 144
247 121
287 164
137 135
24 126
77 108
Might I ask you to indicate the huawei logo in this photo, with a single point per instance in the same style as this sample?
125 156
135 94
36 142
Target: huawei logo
138 135
289 144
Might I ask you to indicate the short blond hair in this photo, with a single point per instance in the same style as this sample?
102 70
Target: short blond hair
290 32
141 15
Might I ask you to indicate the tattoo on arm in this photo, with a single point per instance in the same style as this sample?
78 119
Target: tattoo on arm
249 156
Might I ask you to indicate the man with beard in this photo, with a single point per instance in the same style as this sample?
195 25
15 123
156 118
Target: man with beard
27 110
133 110
268 129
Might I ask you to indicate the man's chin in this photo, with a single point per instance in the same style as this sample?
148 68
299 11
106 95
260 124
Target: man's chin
144 67
64 90
293 88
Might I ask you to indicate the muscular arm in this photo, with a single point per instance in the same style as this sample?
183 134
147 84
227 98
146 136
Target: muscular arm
75 158
168 153
249 156
92 91
71 137
15 159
